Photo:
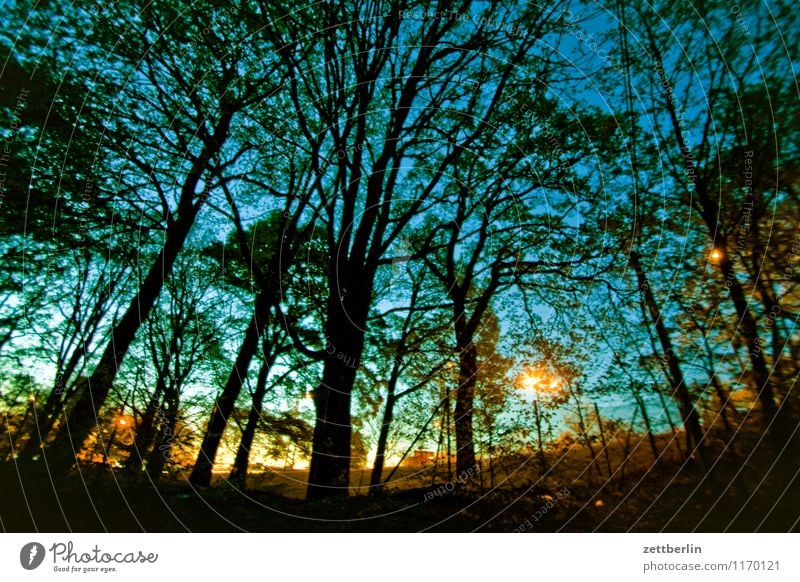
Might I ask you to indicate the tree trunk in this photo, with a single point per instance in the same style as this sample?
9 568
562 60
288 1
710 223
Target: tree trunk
627 447
92 392
242 461
45 419
665 408
383 437
329 472
201 472
724 403
491 463
420 434
584 433
347 311
749 329
448 413
708 206
650 436
164 437
542 461
603 438
465 396
680 391
145 431
54 404
59 395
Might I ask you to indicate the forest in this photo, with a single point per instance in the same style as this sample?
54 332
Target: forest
415 265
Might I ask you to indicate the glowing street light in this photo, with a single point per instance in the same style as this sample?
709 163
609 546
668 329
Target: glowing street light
538 384
529 382
532 382
716 254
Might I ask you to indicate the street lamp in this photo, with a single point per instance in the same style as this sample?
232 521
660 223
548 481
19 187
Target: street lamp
531 382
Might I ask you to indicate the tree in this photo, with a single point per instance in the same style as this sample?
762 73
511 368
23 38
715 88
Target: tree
83 313
699 162
409 354
413 69
182 341
196 97
510 229
272 249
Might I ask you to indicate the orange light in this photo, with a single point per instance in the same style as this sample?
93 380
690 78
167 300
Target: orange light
716 254
122 422
530 381
544 381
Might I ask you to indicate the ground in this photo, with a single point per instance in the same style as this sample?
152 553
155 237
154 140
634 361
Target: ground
745 493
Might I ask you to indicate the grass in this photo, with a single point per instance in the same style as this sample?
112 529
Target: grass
743 492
